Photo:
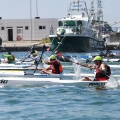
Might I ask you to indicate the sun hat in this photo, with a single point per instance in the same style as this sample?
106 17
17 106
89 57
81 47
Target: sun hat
97 58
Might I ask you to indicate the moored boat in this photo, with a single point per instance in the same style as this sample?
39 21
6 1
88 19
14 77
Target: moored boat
75 33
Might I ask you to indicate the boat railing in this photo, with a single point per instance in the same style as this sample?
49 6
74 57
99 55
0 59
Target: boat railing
116 29
76 30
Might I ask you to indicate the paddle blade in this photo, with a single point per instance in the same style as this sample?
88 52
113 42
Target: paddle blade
43 48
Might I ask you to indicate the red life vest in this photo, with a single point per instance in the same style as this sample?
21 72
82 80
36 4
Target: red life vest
101 76
59 54
56 67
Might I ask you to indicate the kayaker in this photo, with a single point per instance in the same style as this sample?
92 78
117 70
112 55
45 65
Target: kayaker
58 54
34 55
55 66
108 53
60 57
10 57
102 71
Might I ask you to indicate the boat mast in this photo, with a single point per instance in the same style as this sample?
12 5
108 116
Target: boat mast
76 6
92 11
99 10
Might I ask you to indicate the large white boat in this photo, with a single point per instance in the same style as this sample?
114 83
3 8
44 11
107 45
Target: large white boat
75 33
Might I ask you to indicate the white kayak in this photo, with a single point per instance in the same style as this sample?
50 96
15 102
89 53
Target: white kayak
89 60
32 67
27 67
21 73
6 65
21 81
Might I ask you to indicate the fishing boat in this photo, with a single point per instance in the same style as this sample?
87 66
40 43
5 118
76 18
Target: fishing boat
75 33
21 81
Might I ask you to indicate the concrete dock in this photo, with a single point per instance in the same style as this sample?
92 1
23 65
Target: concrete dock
22 45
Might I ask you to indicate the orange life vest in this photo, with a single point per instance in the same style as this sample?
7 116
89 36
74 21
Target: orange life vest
56 67
101 76
59 54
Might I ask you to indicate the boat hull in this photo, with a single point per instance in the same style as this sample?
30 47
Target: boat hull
22 81
75 43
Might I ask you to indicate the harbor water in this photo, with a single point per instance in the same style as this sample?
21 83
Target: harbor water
60 102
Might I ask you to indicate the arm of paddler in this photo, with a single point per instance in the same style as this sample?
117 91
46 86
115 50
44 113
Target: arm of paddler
91 66
4 55
44 70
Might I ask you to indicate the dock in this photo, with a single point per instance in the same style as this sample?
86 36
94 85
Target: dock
22 45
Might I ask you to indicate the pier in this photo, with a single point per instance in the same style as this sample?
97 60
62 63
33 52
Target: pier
21 46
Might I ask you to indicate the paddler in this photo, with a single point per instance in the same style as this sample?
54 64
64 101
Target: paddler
58 54
102 71
60 57
34 55
55 66
10 58
108 53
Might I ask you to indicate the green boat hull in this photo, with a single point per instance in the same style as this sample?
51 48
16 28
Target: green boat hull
75 44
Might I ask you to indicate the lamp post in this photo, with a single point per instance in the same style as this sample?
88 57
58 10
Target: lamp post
31 19
36 8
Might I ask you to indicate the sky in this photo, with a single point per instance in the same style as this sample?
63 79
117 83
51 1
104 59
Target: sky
20 9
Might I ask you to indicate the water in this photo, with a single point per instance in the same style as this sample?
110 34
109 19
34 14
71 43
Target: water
59 102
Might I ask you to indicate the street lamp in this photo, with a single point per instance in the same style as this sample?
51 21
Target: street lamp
31 18
36 8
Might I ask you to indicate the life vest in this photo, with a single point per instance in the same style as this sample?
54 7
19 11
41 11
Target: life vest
59 54
102 76
56 67
11 59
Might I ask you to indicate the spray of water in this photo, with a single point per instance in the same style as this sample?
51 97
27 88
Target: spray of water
112 83
77 70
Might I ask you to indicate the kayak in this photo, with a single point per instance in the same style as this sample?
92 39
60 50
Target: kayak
6 65
39 75
26 67
21 81
89 60
32 67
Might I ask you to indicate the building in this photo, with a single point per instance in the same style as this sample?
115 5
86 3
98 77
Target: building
27 29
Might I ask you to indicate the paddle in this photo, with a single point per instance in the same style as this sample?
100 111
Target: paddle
43 50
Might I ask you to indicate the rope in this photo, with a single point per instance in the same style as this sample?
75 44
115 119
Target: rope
59 43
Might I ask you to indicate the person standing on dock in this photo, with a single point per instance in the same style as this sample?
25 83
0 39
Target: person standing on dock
10 58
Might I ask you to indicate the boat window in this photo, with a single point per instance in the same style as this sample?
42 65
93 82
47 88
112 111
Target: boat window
60 23
79 23
69 23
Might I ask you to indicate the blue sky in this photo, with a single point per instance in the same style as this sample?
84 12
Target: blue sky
20 9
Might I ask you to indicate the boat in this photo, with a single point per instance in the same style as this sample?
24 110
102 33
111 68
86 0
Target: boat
22 81
6 65
89 60
75 33
21 73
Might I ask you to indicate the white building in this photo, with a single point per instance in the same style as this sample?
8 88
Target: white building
27 29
